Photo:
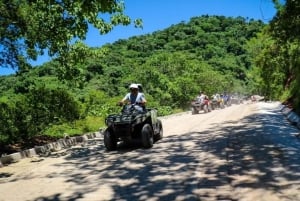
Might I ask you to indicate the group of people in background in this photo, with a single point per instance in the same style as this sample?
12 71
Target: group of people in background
215 97
218 100
137 98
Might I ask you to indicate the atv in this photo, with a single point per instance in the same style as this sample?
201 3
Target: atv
197 106
132 124
217 104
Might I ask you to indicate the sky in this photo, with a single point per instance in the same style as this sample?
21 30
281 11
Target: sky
160 14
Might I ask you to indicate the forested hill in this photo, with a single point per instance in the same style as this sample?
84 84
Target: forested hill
207 53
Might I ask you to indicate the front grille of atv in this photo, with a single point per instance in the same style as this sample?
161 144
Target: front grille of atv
122 130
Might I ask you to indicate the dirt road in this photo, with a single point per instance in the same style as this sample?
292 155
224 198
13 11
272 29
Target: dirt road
246 152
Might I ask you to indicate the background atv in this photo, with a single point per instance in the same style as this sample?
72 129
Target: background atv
197 106
131 125
217 104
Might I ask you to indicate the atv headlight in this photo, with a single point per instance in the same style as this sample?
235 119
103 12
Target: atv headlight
109 123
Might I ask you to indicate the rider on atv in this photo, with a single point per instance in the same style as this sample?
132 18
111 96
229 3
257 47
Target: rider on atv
135 98
201 97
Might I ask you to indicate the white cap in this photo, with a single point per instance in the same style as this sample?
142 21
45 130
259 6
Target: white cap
134 86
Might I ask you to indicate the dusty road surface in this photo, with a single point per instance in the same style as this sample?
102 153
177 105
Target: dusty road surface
246 152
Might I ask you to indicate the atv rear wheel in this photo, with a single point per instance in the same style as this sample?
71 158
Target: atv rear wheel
110 141
160 133
205 108
147 136
194 110
209 108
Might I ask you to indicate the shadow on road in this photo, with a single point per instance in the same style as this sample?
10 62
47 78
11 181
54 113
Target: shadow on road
225 162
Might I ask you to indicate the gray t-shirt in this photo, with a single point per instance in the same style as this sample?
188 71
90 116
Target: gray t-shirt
140 97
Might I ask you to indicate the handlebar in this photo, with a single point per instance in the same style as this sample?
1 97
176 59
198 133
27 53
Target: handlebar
136 103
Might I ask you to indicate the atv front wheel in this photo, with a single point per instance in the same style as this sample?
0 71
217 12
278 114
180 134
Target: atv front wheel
160 133
110 141
147 136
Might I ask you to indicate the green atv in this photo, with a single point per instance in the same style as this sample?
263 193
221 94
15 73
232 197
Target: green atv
132 124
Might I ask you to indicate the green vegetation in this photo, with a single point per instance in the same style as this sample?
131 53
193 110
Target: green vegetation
30 27
275 55
207 53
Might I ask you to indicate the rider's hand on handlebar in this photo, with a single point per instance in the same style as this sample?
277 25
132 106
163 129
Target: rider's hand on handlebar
120 103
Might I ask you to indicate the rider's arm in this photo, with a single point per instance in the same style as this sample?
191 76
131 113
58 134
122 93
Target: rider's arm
125 100
142 100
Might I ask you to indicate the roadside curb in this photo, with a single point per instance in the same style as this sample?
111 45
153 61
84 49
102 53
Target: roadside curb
293 118
48 148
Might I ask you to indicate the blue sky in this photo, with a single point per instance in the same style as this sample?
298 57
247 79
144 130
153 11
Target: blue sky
160 14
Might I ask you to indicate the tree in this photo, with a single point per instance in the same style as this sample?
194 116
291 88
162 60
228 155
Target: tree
284 28
285 25
28 28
